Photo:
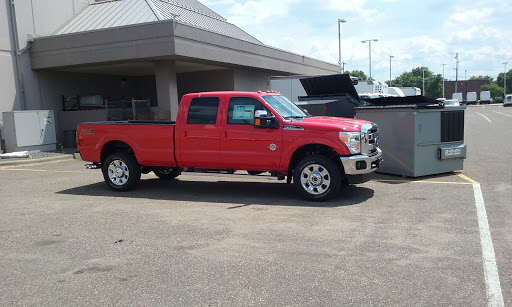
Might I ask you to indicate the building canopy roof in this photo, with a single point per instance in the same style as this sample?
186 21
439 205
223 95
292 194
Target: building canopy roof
119 13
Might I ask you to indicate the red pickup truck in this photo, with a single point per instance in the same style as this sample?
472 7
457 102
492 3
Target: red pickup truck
250 131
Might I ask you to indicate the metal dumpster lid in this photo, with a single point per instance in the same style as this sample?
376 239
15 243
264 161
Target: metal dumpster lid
329 85
408 102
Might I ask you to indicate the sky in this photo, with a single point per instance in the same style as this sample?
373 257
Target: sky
416 33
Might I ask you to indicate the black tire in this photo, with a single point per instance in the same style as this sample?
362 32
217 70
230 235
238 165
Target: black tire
317 178
167 173
255 172
121 171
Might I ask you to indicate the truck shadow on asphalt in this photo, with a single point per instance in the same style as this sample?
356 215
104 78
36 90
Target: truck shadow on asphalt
398 179
240 194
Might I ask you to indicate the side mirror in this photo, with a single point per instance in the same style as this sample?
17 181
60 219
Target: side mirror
263 120
305 111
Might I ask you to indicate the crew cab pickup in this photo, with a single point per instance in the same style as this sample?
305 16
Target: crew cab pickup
252 131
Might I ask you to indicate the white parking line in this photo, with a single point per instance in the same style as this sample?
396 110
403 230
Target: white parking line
503 114
484 116
492 279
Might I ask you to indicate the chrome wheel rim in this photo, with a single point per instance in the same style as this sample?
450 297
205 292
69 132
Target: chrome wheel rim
118 172
315 179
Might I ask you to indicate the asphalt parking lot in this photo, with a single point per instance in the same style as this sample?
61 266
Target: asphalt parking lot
233 240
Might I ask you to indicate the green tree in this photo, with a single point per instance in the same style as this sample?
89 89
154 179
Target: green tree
496 90
359 74
491 79
499 81
414 78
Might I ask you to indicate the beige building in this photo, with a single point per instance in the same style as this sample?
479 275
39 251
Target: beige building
78 58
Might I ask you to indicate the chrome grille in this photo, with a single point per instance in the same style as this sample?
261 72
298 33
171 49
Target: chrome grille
369 139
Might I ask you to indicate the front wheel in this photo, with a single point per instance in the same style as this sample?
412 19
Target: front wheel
167 173
121 171
317 178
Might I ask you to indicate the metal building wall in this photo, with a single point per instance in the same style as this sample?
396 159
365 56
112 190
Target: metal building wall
8 76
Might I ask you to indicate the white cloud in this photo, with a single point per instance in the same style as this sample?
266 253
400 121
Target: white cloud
472 16
428 37
250 12
468 24
213 3
355 8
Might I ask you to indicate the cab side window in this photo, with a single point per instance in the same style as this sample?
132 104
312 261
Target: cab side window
241 110
203 111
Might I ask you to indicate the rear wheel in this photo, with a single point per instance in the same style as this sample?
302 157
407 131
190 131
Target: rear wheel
317 178
167 173
121 171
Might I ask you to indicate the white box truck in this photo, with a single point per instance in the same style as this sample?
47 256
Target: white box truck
371 87
485 97
457 96
471 98
411 91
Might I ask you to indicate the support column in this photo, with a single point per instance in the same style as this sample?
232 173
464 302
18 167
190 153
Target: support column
167 87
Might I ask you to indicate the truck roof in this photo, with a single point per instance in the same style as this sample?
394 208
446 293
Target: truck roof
234 93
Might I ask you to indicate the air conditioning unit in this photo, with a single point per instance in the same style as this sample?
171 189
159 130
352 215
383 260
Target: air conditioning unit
29 131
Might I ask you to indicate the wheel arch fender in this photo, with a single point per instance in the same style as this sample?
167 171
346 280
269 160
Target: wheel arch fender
110 145
312 149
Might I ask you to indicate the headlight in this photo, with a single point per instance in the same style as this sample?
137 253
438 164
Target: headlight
352 140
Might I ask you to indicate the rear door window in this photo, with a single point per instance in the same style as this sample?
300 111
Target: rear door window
203 111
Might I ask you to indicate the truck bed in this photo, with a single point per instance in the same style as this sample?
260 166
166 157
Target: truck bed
151 141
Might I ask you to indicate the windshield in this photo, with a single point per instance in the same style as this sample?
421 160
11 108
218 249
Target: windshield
283 106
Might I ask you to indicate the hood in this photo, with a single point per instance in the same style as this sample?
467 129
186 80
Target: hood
322 123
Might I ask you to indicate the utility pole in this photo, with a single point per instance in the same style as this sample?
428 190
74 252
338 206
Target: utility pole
456 71
423 83
466 80
343 67
443 80
505 80
369 41
390 57
340 21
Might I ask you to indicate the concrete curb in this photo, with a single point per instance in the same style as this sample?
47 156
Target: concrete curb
36 161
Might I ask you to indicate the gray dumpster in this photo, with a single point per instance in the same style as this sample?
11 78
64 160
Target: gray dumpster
69 139
418 140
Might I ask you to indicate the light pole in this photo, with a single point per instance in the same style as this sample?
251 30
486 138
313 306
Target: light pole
390 57
423 83
340 21
505 80
369 41
456 71
443 80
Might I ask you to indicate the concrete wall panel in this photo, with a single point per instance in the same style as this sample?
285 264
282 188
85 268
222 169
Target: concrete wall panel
5 40
217 80
24 20
252 81
7 84
50 15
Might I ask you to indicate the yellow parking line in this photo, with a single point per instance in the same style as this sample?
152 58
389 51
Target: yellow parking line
422 181
471 181
38 170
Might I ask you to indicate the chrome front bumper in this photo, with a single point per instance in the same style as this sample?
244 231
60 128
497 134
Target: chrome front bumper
362 164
